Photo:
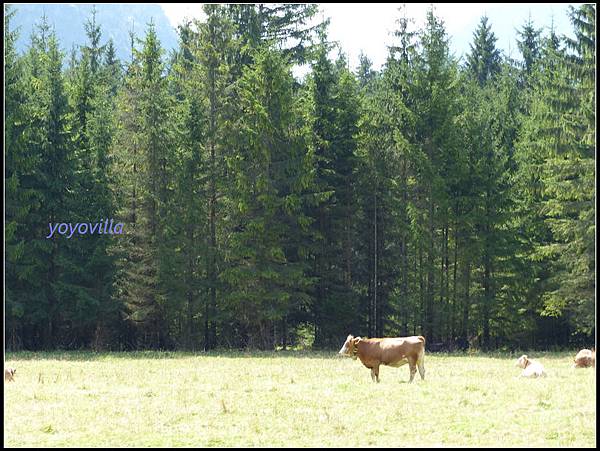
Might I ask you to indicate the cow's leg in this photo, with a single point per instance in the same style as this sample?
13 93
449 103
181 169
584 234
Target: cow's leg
375 373
412 364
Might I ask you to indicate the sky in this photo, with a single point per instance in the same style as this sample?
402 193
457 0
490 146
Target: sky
367 27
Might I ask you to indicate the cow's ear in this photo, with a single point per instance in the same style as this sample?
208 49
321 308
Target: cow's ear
357 340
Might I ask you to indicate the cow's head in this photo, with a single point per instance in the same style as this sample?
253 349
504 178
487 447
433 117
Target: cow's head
522 361
349 345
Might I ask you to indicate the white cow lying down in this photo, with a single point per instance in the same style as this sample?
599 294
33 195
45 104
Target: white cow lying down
531 368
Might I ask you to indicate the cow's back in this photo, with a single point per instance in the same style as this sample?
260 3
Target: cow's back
402 349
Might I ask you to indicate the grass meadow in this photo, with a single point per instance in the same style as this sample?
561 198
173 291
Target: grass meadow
289 399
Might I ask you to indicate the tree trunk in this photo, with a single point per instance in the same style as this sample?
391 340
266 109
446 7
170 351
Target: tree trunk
423 305
439 326
467 302
448 328
430 277
375 245
454 312
206 321
284 333
486 301
212 213
404 287
487 289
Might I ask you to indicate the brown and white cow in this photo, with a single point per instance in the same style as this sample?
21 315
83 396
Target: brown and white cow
585 358
531 368
395 352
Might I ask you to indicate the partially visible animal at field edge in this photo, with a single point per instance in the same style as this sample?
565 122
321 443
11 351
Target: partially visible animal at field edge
9 374
394 352
531 368
585 358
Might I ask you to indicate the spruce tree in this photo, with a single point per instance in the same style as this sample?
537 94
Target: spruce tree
51 179
435 108
334 115
143 153
529 46
20 193
215 48
484 60
267 178
568 179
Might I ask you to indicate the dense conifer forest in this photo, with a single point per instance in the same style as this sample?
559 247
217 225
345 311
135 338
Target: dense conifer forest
450 199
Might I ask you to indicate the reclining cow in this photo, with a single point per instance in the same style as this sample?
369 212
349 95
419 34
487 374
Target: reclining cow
395 352
531 368
585 358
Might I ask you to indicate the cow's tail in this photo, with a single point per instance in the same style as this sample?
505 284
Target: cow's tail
421 358
422 352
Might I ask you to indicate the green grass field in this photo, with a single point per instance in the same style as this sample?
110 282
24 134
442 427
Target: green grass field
293 399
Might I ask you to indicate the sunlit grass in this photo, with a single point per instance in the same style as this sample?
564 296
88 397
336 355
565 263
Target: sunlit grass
293 399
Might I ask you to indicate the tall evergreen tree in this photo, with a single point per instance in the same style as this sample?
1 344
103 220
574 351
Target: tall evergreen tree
47 137
187 215
334 109
529 46
267 178
144 159
215 49
484 60
20 193
92 269
539 138
568 179
435 109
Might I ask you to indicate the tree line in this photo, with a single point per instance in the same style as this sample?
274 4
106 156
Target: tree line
445 198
